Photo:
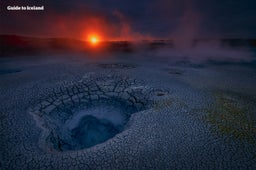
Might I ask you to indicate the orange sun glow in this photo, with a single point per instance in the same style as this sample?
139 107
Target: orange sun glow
93 39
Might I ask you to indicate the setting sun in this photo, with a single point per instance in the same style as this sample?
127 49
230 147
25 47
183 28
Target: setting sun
94 40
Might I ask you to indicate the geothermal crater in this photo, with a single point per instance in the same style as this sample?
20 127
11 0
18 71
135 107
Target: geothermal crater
91 123
89 112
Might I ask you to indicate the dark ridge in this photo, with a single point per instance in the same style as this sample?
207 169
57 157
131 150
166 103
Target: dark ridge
15 45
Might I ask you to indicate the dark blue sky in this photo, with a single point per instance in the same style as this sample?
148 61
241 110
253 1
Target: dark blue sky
133 18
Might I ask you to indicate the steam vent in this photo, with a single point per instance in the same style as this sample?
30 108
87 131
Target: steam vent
90 112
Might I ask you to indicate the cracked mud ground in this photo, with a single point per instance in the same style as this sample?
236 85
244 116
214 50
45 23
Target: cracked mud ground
149 115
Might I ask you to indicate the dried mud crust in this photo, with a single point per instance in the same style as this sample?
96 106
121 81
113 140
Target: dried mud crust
234 115
91 111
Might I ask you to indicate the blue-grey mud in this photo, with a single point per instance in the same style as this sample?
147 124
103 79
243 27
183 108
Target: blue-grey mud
148 109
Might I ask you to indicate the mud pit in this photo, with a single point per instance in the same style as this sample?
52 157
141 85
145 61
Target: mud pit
91 124
90 111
